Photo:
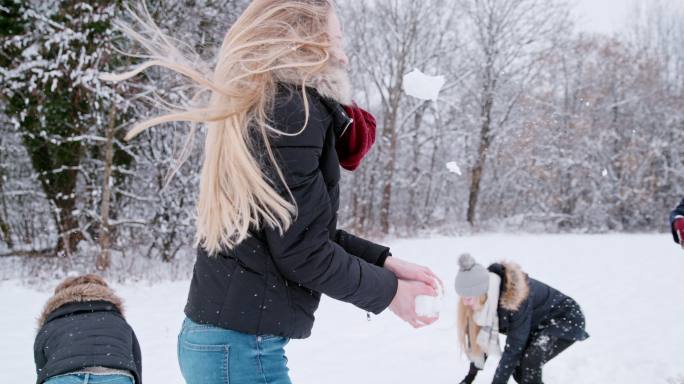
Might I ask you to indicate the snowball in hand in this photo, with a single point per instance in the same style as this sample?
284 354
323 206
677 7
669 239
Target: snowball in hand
454 168
428 306
422 86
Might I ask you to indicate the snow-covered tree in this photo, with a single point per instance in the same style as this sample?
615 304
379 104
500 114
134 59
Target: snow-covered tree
542 126
54 98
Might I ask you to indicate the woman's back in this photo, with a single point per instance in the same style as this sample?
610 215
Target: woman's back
271 284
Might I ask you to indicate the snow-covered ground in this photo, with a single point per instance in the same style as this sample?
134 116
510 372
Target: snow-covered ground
628 285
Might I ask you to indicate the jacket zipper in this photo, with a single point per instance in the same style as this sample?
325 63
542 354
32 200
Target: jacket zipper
350 121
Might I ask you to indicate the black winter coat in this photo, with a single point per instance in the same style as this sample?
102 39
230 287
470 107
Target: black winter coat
87 334
679 211
528 306
272 284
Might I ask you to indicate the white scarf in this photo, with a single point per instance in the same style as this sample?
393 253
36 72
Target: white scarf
488 320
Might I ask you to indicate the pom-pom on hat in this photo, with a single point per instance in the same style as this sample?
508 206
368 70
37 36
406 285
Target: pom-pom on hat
472 279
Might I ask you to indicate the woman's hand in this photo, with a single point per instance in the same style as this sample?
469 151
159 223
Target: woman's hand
404 302
409 271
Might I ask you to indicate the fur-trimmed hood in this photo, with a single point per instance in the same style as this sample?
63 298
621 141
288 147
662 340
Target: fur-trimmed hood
80 289
515 285
332 83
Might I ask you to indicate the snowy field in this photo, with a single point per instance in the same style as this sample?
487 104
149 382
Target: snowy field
629 287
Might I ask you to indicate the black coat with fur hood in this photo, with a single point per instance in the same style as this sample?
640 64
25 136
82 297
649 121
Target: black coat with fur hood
528 306
82 326
271 284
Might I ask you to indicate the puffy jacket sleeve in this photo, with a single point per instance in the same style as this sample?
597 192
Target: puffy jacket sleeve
369 251
305 253
38 355
137 356
679 211
516 340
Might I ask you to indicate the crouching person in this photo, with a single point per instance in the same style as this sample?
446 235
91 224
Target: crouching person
84 338
539 321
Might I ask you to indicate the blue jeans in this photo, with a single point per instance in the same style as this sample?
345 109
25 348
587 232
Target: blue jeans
88 378
213 355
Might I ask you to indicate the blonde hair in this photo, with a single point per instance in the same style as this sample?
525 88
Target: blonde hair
272 40
467 328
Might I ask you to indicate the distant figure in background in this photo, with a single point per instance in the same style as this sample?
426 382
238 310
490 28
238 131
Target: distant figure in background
677 223
539 321
84 338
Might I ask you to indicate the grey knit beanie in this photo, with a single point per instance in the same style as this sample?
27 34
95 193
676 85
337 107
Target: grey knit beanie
472 278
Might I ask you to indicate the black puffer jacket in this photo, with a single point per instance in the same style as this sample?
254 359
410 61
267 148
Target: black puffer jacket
80 335
679 211
527 306
271 284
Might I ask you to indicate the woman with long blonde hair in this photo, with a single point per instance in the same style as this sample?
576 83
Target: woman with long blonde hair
539 321
268 243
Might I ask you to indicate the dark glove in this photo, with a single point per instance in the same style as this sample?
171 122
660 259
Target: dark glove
471 375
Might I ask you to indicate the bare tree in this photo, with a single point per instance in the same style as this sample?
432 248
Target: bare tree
508 40
553 129
410 35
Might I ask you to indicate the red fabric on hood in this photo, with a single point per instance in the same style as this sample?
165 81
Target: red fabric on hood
357 140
